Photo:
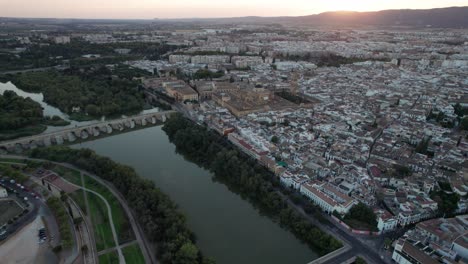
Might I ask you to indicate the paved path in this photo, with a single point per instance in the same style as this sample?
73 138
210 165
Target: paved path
124 245
111 220
145 246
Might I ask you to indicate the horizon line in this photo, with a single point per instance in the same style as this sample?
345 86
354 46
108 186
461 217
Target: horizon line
225 17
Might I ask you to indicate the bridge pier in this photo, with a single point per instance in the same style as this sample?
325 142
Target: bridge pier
108 129
118 126
96 131
47 141
83 132
58 140
71 136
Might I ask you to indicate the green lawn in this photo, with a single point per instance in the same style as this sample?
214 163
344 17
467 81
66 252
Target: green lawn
110 258
133 254
78 197
121 222
100 222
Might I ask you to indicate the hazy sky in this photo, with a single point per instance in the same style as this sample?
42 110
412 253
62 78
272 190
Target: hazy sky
201 8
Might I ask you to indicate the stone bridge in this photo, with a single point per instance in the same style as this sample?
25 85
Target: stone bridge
70 135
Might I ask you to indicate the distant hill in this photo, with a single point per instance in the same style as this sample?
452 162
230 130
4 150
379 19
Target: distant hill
451 17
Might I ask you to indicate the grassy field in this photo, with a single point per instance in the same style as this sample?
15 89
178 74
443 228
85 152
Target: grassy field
97 210
110 258
100 220
8 210
133 254
78 197
122 225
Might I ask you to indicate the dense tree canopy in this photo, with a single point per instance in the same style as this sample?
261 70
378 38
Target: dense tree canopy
18 112
447 200
92 90
363 216
464 123
53 54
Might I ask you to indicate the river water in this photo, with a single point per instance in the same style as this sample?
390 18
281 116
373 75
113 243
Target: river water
228 228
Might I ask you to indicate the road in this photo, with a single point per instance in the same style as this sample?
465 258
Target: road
357 247
144 244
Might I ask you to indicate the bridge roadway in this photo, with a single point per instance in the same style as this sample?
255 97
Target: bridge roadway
84 132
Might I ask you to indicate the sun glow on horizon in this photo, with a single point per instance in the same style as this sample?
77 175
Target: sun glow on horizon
148 9
359 5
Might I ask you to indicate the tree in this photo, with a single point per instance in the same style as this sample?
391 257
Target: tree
362 213
275 139
402 171
422 146
92 110
187 254
464 123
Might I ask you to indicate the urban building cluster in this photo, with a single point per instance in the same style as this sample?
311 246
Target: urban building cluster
343 117
382 128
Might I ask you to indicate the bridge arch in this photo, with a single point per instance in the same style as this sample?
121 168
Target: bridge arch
84 134
96 130
19 147
3 150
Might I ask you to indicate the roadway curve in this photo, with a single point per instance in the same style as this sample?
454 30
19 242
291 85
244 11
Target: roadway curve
144 244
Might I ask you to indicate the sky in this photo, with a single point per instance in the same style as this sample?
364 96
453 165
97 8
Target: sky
149 9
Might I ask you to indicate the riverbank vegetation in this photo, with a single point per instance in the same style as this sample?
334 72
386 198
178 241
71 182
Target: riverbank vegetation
245 176
18 112
92 92
160 218
20 117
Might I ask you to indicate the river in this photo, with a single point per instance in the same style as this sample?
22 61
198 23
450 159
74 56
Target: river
228 228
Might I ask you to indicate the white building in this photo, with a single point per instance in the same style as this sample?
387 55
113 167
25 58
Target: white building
246 61
62 40
319 198
327 197
206 59
175 58
3 192
386 221
460 245
406 253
